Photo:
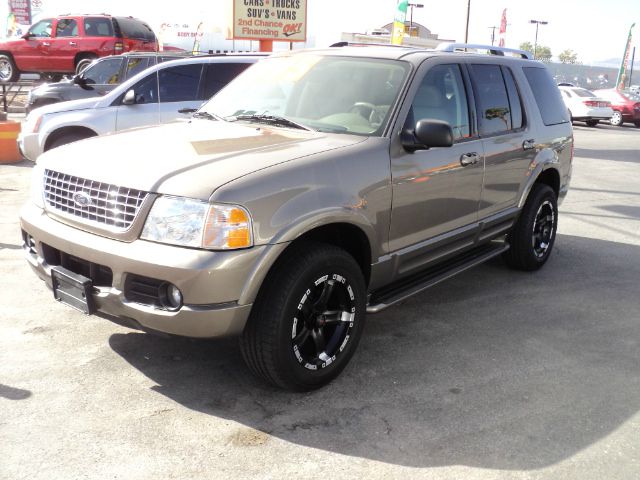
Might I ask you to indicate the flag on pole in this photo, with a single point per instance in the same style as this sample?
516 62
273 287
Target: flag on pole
398 22
503 28
624 66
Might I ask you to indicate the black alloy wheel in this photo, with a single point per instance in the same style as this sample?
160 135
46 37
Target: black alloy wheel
544 227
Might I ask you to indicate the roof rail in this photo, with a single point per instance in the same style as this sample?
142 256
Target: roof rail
490 49
366 44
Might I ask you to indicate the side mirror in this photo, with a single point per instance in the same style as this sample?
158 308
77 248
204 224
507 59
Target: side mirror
129 98
28 35
427 134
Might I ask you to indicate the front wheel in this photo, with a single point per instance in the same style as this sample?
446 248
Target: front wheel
532 237
8 70
308 318
616 119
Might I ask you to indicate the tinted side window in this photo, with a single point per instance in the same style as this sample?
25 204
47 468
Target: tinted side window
136 65
67 27
147 89
98 27
219 74
104 72
547 95
442 96
491 98
131 28
514 99
180 84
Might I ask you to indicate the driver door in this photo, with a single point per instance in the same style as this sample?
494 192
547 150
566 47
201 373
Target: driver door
436 191
32 54
146 109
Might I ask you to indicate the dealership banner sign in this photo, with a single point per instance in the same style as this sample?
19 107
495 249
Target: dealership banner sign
278 20
21 11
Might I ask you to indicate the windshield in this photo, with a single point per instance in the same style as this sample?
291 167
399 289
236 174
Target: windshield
330 94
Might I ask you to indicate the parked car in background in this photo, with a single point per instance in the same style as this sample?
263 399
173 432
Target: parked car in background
163 93
99 78
68 43
625 104
584 105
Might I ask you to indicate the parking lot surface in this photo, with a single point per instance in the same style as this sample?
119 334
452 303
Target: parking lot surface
495 374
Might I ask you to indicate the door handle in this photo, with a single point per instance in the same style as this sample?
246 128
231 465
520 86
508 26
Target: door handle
187 110
73 44
529 144
469 159
46 44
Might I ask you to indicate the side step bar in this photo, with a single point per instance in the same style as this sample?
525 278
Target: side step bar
405 288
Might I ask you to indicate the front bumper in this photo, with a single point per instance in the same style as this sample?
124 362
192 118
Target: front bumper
29 145
211 282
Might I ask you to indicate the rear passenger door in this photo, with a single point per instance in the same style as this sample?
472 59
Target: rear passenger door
506 133
435 191
179 91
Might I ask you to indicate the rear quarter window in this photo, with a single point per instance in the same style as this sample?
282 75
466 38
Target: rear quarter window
547 95
98 27
131 28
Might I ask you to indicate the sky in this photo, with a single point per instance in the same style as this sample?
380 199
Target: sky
596 30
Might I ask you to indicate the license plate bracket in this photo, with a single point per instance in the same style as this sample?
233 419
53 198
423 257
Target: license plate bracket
73 289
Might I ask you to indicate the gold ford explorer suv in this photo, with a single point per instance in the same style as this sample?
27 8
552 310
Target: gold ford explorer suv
317 187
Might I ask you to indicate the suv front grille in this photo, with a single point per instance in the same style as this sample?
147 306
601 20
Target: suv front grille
102 204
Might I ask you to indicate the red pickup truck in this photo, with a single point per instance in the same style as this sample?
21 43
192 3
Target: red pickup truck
68 43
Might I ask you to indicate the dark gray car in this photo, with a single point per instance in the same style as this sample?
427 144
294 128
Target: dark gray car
99 78
316 187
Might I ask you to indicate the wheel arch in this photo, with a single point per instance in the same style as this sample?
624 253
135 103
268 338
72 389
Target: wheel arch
347 236
60 132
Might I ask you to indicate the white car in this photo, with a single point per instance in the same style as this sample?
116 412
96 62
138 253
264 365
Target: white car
160 94
585 106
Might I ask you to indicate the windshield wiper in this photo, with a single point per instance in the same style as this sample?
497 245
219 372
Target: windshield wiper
207 115
269 119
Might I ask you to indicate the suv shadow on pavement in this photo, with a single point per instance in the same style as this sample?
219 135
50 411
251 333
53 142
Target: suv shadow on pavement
485 370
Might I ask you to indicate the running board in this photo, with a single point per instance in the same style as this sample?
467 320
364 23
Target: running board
405 288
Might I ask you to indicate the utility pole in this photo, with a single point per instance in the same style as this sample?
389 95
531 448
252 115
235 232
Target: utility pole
411 5
466 30
493 35
633 58
535 45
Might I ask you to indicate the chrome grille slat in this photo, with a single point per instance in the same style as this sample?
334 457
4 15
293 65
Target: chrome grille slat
112 207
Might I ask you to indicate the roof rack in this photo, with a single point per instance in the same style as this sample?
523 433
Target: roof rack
367 44
490 49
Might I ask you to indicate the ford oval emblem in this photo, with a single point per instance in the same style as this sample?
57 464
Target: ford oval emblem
82 199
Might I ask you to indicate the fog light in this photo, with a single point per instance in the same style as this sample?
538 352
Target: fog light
171 296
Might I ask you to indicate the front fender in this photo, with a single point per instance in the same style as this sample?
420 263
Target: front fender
100 124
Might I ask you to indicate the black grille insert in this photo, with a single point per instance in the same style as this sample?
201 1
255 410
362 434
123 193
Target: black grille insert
100 275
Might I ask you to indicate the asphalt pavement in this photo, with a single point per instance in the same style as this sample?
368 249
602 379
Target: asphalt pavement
494 374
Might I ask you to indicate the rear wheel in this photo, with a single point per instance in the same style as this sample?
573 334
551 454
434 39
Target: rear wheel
637 123
533 235
308 318
592 122
8 70
616 119
84 62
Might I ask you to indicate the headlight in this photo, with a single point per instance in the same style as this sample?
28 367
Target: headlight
37 185
193 223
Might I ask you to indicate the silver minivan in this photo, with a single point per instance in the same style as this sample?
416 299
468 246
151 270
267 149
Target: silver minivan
161 94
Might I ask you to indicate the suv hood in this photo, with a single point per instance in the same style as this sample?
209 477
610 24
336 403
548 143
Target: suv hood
82 104
189 159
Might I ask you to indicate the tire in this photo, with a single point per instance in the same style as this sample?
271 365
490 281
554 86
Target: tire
533 235
68 138
84 62
637 123
308 318
592 122
616 119
8 70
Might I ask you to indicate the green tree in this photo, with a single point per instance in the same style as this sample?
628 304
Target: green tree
568 56
542 53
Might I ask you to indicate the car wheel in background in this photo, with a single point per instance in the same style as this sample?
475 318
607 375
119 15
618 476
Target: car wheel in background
8 70
84 62
592 123
308 318
616 119
533 235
